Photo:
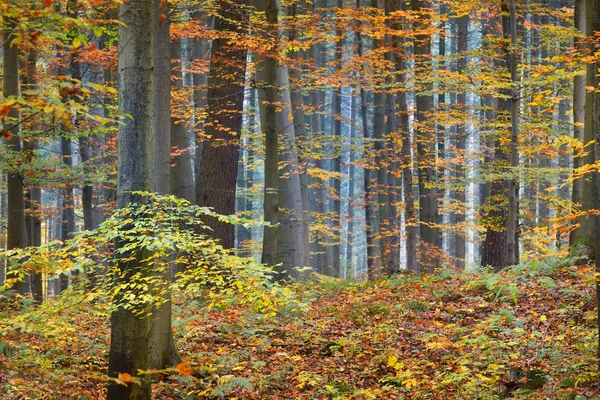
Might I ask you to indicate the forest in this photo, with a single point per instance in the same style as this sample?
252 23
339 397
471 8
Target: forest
300 199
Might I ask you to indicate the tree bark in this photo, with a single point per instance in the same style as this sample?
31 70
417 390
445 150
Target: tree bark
509 29
461 141
131 333
266 77
426 143
182 180
374 261
579 131
338 150
15 191
217 177
299 118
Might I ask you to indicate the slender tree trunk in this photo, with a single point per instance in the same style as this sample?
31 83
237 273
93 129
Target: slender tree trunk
461 141
593 111
15 191
579 112
33 221
68 203
182 181
509 27
352 172
33 195
338 150
87 193
200 52
218 165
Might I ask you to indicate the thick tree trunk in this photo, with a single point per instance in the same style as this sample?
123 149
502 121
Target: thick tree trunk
406 163
581 131
426 143
300 131
162 102
374 261
218 165
162 350
266 77
322 251
131 333
291 253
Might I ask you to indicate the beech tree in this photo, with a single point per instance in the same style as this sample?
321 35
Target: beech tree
135 343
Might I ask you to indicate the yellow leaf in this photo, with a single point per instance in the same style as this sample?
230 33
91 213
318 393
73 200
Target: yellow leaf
392 361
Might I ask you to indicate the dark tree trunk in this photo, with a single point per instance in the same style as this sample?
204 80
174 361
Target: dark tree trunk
426 149
15 191
217 176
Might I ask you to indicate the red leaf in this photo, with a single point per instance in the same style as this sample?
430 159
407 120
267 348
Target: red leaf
48 3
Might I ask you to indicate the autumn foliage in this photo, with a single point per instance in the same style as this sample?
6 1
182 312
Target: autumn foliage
528 332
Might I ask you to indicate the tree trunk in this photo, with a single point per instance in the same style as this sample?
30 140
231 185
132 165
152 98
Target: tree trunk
266 77
592 111
33 221
219 161
162 350
291 253
374 261
200 52
299 117
182 181
509 29
579 118
15 191
338 150
461 141
131 333
426 143
162 102
87 194
68 203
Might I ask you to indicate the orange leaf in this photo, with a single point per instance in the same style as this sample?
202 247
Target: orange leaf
5 134
48 3
184 369
163 18
125 377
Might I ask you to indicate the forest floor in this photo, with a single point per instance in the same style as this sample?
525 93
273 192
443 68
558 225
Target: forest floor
528 332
